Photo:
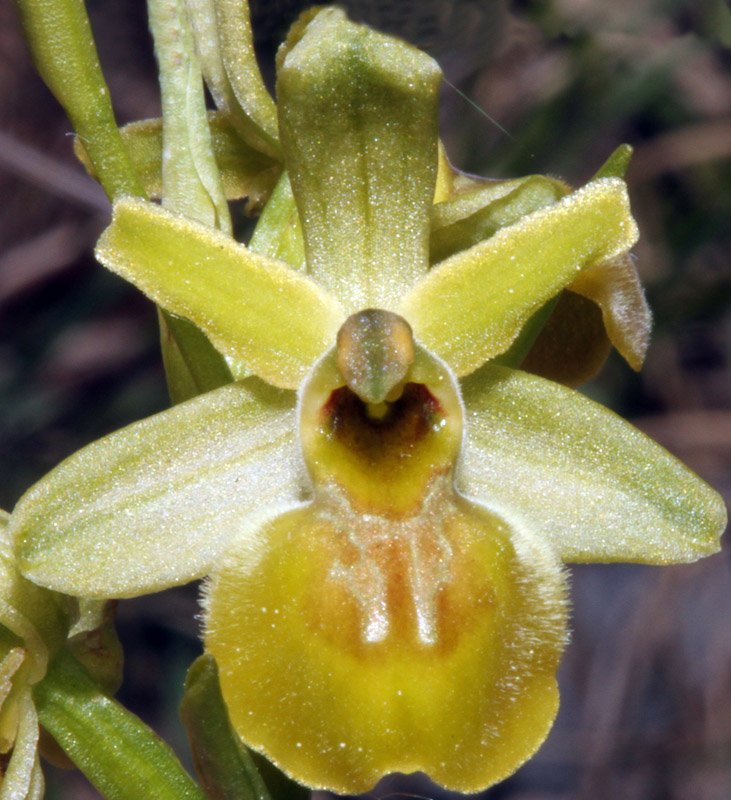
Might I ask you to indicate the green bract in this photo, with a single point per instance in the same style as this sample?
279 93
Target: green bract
389 546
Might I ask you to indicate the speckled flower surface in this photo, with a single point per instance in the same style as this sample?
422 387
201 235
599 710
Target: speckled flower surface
384 502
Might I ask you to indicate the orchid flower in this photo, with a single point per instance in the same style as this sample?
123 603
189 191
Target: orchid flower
382 507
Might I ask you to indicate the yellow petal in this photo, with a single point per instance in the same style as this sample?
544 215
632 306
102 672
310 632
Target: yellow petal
389 624
472 306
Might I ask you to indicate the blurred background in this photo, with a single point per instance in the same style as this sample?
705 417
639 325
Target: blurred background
536 87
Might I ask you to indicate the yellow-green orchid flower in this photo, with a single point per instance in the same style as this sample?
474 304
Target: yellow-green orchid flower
383 510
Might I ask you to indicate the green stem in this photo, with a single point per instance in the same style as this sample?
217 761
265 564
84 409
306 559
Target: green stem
120 755
63 48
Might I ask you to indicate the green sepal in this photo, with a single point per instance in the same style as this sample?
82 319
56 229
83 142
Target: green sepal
253 309
472 306
224 766
358 125
159 502
562 467
245 172
468 219
62 44
119 755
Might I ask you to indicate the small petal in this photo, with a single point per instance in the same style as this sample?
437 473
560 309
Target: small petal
252 308
586 481
472 306
358 121
157 503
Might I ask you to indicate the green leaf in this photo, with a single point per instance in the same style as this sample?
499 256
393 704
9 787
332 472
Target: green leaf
120 755
225 767
62 44
226 48
358 123
252 308
473 305
457 224
564 468
159 502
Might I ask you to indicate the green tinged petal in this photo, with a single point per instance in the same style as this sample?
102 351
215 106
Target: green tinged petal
571 346
615 287
472 306
252 308
358 123
580 477
158 502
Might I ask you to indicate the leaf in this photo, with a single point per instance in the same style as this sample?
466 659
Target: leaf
226 48
552 461
473 305
159 502
191 183
358 125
